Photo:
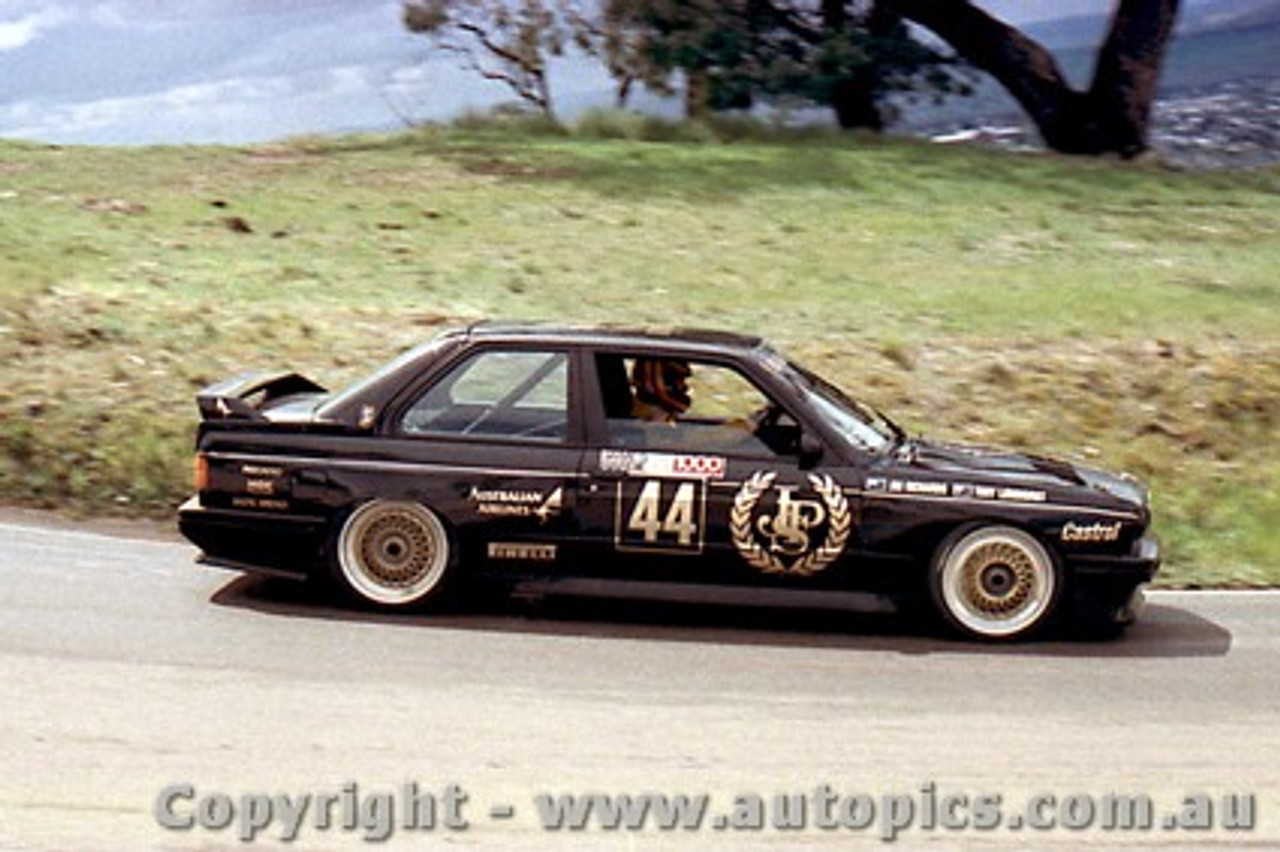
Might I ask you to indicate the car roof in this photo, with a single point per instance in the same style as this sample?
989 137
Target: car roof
692 343
691 340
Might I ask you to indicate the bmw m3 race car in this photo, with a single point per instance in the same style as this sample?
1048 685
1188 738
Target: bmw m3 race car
653 465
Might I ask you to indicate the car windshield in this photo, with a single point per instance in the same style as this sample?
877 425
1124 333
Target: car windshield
864 427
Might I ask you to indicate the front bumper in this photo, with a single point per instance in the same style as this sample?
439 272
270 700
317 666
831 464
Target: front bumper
1109 589
273 543
1139 565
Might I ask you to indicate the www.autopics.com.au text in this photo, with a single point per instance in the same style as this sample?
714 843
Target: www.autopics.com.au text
377 815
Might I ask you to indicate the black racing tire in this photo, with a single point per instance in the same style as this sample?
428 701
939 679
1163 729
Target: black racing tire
995 583
394 554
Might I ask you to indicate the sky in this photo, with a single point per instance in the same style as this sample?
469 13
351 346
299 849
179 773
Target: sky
137 71
234 71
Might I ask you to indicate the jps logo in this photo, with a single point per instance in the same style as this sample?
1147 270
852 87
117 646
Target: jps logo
788 529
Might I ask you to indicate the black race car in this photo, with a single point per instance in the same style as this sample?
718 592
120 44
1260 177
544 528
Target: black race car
689 464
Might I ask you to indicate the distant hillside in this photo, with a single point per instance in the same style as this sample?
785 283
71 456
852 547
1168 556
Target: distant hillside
1218 43
1230 15
1086 31
1200 57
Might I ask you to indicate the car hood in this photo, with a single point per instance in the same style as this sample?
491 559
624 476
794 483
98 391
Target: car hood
1023 470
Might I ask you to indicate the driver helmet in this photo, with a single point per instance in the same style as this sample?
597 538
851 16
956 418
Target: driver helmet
662 382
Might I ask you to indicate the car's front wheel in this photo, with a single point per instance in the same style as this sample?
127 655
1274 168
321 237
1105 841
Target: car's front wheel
995 582
394 554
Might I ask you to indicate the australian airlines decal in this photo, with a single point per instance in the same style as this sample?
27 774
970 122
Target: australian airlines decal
510 503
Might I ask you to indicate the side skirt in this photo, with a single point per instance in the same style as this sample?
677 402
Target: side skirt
589 587
248 568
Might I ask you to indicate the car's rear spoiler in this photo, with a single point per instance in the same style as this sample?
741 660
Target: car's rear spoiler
244 397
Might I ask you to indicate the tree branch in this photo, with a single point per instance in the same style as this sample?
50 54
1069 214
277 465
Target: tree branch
505 54
1111 117
1021 64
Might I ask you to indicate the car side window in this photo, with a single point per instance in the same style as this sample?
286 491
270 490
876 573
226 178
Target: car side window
513 394
691 406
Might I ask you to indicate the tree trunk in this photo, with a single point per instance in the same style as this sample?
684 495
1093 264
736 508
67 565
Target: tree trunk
1128 71
856 106
1112 117
623 92
696 94
854 101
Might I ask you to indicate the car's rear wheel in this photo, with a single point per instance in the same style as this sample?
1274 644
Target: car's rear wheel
995 582
394 554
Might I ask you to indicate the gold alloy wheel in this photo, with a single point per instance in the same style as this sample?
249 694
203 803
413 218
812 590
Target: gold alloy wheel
996 583
393 553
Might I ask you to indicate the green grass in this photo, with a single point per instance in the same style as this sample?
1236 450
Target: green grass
1121 314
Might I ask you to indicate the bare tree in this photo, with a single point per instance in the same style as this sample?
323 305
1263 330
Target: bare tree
507 41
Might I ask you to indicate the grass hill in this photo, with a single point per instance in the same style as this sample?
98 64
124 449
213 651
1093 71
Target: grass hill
1122 315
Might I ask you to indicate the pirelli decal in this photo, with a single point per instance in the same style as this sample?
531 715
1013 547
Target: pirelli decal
522 552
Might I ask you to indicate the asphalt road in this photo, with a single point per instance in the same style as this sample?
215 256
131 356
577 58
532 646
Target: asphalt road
125 669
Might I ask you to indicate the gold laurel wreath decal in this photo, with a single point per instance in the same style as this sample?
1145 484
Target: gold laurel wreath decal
744 503
839 525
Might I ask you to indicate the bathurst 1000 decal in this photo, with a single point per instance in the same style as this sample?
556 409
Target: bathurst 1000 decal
674 465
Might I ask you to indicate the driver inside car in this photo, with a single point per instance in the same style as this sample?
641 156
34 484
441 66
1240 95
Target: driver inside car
661 389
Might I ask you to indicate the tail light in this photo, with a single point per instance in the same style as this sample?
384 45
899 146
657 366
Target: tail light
200 472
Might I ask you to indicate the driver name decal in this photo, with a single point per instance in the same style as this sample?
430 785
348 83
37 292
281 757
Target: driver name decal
880 485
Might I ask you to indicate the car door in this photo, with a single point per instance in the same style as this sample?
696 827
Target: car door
723 491
495 438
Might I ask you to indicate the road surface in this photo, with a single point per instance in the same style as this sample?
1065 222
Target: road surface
138 688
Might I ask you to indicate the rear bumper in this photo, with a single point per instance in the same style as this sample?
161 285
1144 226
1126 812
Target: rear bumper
255 541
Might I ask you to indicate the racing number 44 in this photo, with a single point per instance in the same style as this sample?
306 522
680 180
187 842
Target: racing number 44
659 518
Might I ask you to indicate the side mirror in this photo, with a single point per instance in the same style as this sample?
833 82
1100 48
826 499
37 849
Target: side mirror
810 451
